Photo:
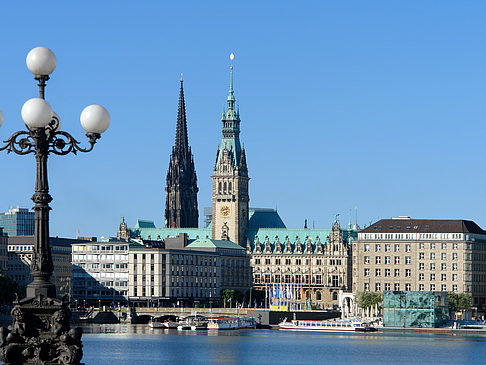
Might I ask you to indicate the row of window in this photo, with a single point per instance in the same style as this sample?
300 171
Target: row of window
407 247
408 287
408 259
409 236
408 273
333 280
289 261
443 256
387 260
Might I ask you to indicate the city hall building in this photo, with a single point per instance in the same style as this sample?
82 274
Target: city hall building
315 262
421 255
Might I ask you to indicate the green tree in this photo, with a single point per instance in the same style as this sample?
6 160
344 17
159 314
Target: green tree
459 302
368 299
231 296
8 289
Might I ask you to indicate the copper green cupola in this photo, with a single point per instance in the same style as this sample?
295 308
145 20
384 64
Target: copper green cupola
230 179
231 128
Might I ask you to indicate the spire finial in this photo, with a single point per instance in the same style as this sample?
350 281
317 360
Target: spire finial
181 78
232 57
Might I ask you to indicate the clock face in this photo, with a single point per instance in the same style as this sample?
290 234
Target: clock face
225 211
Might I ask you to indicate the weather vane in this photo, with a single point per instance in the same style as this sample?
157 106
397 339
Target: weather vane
232 57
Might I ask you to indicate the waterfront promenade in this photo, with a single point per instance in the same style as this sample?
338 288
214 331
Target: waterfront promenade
143 314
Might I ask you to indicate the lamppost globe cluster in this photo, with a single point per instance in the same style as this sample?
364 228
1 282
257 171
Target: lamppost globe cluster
37 113
42 137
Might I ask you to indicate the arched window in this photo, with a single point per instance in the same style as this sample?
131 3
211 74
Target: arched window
318 295
334 295
219 187
229 187
224 187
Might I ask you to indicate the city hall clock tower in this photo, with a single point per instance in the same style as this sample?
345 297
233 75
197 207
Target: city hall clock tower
230 179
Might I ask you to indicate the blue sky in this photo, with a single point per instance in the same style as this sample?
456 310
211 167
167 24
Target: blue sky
377 105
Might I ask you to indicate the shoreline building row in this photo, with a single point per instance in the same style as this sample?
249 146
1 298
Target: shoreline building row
406 254
166 272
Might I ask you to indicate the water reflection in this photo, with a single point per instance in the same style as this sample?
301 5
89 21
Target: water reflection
140 344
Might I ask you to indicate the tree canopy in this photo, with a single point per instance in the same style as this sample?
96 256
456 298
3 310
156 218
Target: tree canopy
459 302
368 299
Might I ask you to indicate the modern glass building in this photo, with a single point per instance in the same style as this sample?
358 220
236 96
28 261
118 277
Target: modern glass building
17 222
415 309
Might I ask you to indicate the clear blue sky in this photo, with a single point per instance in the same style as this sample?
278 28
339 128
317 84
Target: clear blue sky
379 105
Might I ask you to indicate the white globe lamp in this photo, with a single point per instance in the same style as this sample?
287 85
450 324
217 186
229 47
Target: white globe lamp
41 61
95 119
36 113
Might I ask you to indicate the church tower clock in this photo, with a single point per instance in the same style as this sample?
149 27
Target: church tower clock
230 179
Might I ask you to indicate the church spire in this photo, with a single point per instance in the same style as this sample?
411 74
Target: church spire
181 184
181 144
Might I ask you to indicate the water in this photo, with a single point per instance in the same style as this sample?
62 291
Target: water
142 345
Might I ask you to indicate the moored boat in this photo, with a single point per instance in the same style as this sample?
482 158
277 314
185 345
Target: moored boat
325 326
231 323
156 323
169 322
194 322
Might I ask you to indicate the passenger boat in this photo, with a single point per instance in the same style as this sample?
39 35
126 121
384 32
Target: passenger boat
325 326
193 323
231 323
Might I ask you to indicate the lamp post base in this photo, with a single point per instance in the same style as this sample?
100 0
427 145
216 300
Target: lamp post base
41 334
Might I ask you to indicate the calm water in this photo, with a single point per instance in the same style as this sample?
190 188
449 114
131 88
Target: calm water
142 345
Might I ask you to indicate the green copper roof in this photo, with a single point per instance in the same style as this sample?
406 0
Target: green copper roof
144 224
265 218
153 233
230 129
206 242
293 234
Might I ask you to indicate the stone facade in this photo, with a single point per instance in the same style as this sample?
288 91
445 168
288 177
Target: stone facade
319 268
421 255
20 256
175 270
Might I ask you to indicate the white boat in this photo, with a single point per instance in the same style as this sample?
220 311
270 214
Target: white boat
192 323
169 322
156 322
325 326
231 323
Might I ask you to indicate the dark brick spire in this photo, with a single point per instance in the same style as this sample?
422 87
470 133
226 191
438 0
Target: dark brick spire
181 190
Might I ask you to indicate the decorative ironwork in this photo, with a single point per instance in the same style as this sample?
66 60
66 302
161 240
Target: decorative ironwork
59 142
41 333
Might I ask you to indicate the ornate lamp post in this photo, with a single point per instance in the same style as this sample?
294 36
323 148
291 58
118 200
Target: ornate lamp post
41 333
